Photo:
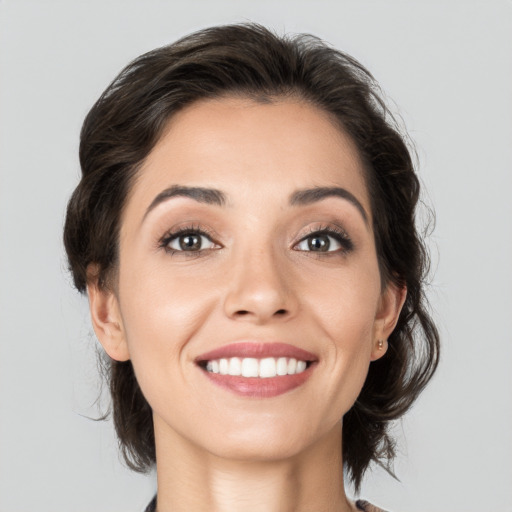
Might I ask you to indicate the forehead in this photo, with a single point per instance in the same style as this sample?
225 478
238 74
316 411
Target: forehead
250 149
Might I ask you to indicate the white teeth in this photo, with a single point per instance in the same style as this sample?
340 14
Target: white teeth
282 366
267 367
249 367
223 366
301 366
252 367
235 366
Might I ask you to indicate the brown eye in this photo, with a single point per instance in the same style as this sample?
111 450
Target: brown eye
189 242
319 243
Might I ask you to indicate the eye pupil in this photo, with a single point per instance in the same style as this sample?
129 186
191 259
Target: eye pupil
319 243
190 242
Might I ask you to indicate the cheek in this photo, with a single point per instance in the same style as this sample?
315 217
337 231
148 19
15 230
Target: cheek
345 313
161 315
349 330
161 310
345 303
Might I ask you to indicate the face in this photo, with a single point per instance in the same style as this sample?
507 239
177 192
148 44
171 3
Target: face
246 246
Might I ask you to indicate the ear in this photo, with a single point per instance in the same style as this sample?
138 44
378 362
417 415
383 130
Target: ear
390 304
106 318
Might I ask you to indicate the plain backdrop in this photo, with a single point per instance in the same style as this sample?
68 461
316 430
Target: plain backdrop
448 68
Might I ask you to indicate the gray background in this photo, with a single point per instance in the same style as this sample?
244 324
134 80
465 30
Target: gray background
447 65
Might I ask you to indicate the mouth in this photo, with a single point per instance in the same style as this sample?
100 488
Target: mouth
251 367
258 369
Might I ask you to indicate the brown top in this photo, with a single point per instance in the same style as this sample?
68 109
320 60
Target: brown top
362 505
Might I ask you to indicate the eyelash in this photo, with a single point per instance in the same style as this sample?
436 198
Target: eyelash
185 230
335 232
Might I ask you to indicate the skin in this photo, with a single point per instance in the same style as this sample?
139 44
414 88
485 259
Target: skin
256 279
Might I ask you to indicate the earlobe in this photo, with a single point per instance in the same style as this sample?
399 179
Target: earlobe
390 306
379 349
106 321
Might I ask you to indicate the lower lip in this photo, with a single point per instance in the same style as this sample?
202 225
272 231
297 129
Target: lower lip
256 387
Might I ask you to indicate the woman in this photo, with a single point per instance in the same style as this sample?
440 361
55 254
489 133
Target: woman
244 228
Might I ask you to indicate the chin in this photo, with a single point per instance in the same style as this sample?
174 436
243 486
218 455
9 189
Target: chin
264 450
264 442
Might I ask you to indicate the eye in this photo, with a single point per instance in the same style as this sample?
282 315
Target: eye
187 240
326 240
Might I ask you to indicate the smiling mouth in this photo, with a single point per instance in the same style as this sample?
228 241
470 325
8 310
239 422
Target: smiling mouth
258 370
264 368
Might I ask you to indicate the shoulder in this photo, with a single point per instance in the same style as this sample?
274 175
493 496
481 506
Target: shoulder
364 506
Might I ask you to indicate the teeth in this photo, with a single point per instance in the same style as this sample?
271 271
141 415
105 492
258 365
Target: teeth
235 366
252 367
223 366
267 367
282 366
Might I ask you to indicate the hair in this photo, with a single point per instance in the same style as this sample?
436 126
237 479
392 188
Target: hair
248 60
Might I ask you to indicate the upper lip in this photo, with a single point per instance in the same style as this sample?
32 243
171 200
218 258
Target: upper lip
258 350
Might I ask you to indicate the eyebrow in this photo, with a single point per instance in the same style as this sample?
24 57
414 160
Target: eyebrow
216 197
199 194
312 195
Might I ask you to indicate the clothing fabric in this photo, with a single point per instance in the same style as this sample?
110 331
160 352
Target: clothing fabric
361 505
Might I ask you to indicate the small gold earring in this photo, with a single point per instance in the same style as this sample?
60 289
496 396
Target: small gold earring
380 344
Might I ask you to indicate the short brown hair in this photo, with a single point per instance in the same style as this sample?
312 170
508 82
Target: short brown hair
248 60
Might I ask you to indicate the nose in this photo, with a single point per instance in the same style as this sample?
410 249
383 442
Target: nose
260 289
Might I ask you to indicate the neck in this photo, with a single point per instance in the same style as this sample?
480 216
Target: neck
190 479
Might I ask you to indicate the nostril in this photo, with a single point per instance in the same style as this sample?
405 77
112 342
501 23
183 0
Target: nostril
243 312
